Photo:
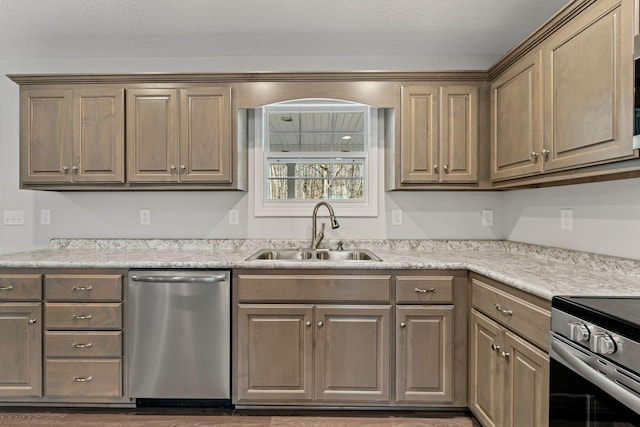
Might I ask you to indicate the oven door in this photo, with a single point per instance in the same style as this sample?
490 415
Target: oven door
584 391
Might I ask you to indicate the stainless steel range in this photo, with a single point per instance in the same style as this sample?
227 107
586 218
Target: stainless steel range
595 362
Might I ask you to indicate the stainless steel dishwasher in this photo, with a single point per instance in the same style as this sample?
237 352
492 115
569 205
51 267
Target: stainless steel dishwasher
179 334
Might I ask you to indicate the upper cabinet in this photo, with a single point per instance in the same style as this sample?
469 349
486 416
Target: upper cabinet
179 135
72 135
588 88
567 103
439 134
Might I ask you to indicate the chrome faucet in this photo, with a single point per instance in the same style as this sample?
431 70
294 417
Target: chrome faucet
317 238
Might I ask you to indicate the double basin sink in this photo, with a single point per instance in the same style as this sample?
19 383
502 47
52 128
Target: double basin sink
314 255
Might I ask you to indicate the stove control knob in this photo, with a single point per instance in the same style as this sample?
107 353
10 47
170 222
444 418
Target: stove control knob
578 332
602 344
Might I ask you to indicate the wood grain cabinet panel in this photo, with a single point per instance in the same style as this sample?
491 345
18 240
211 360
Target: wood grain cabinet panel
588 88
20 287
20 349
72 135
439 134
516 120
179 135
424 354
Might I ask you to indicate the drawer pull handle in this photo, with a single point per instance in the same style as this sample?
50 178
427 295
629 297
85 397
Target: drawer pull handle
424 291
81 345
503 310
82 288
495 347
82 316
82 379
6 288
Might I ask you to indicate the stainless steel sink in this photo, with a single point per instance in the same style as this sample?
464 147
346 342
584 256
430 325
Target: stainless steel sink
314 255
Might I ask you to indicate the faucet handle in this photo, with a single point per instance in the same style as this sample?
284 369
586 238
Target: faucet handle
340 245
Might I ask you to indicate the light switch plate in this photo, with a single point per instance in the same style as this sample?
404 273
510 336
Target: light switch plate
145 216
566 219
396 217
45 216
487 217
234 217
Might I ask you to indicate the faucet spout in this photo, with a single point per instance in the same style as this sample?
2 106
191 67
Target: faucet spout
316 238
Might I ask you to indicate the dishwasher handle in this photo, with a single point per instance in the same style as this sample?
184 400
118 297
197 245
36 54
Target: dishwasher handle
179 279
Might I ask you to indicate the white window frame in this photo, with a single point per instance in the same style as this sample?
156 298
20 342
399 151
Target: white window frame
367 207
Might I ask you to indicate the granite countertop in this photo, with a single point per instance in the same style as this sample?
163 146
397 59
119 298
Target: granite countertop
539 270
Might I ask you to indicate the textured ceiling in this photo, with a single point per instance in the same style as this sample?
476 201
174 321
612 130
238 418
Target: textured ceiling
208 28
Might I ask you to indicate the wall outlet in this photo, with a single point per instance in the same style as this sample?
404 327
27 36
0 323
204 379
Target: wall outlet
234 217
45 216
487 217
13 218
396 217
566 219
145 217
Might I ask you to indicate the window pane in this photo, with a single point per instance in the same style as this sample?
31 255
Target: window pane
315 122
314 189
348 142
281 189
316 142
284 142
316 170
284 122
348 122
348 189
349 170
281 169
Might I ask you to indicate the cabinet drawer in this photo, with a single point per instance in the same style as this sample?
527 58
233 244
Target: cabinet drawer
81 287
83 316
22 287
84 378
523 317
83 344
317 288
424 289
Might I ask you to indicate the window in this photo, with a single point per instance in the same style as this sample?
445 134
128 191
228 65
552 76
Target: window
312 150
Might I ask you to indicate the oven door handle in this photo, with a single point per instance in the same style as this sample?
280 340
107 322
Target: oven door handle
564 353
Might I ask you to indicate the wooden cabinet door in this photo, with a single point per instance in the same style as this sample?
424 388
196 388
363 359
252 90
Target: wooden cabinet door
486 375
419 134
516 120
458 134
152 135
588 83
205 134
98 135
424 354
45 135
527 384
275 354
352 362
20 349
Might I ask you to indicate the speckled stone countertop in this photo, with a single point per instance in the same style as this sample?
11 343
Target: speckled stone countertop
540 270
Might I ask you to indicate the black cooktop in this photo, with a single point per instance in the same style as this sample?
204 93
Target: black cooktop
616 313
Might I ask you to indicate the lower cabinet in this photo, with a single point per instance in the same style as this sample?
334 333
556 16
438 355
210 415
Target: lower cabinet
20 350
329 353
508 374
326 339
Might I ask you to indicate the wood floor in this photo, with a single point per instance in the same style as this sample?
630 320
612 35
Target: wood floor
213 418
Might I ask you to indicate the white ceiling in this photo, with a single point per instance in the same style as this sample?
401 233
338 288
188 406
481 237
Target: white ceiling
211 28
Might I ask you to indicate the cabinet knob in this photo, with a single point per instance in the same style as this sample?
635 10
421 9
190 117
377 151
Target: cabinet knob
534 155
75 170
183 167
65 168
445 168
32 321
435 168
320 324
308 323
505 354
172 167
545 152
495 347
403 325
